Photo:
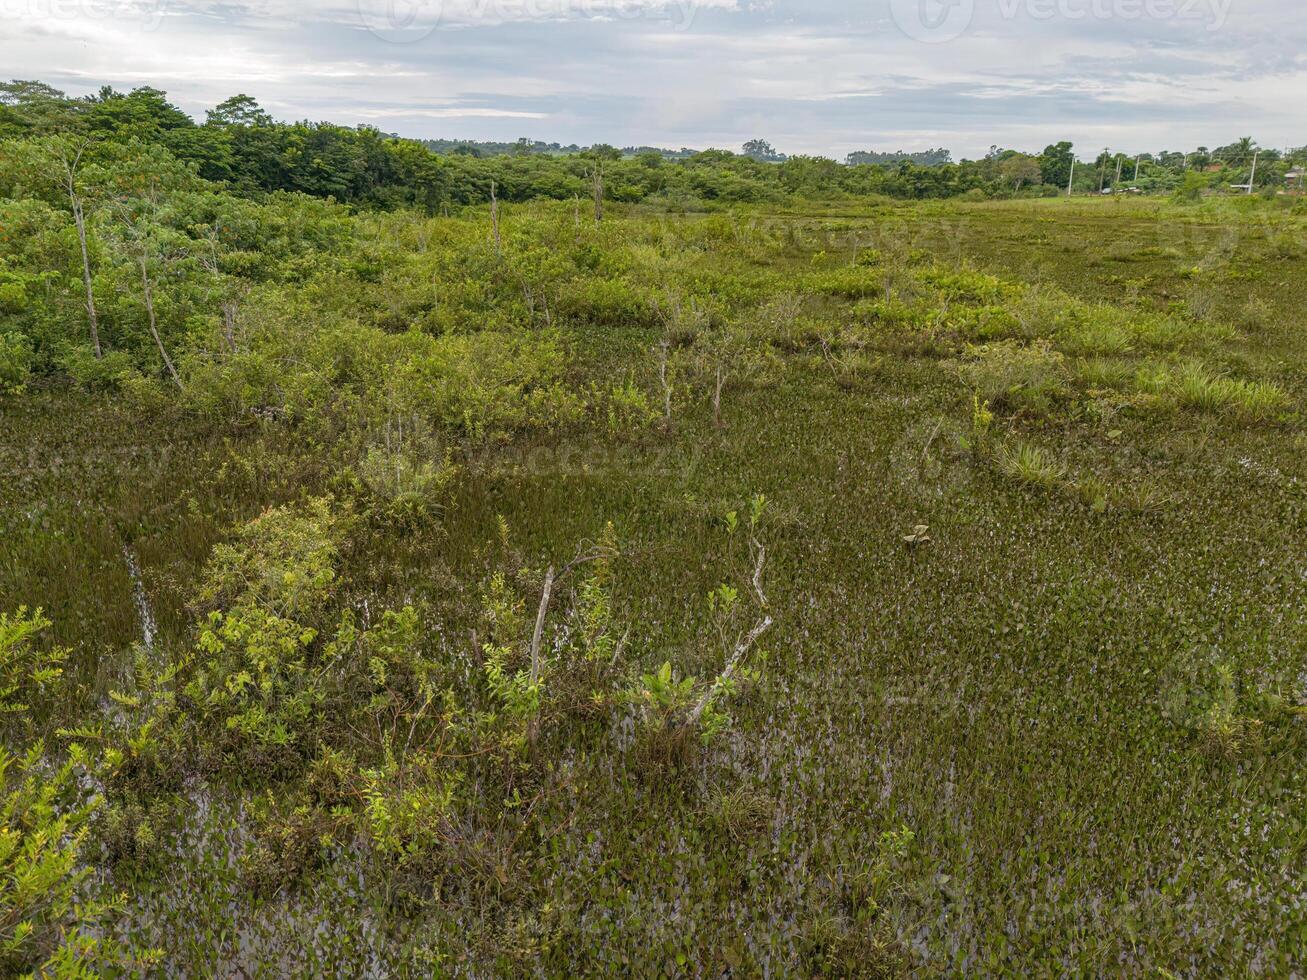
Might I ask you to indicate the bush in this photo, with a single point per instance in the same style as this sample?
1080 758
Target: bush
405 474
1016 377
46 923
16 360
93 372
26 672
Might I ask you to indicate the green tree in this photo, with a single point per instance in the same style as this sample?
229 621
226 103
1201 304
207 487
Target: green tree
239 110
1055 164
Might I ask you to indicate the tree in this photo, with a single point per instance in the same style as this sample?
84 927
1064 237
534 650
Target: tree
140 238
1242 151
762 151
140 183
727 355
57 163
1020 169
239 110
1055 164
144 113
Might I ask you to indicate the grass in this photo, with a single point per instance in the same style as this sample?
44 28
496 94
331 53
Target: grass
1031 694
1194 387
1030 465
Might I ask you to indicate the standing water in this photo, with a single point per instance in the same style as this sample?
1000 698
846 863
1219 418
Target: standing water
143 612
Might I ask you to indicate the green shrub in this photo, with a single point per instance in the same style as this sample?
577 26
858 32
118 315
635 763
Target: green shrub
48 926
608 302
16 361
1017 377
283 562
93 372
27 673
405 474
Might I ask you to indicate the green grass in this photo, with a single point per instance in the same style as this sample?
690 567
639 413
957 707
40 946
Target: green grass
1035 694
1193 387
1030 465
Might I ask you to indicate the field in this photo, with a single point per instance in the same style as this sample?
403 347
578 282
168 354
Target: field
1032 696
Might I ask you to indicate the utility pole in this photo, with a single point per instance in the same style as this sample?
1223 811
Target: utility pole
1137 159
1072 178
1117 179
1253 176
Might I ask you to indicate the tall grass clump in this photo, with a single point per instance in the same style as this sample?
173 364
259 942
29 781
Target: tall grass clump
1194 387
1031 465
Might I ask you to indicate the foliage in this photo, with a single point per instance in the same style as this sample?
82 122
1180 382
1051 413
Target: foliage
346 747
47 927
26 672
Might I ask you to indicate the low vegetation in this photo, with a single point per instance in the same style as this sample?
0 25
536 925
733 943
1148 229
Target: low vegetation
838 587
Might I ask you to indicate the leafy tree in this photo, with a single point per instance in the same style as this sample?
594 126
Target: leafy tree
58 164
762 151
239 110
1055 164
1019 169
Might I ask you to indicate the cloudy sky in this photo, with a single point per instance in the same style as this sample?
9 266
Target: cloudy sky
812 76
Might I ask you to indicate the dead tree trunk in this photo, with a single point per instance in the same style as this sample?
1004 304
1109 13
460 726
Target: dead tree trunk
742 646
719 384
79 219
229 308
148 289
599 192
664 376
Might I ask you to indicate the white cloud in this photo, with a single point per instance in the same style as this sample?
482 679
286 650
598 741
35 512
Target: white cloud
819 76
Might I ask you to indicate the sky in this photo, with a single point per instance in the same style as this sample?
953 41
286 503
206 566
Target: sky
812 76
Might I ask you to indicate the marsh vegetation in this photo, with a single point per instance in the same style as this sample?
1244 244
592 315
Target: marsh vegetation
825 587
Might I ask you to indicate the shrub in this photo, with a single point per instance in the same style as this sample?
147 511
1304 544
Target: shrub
26 672
1017 377
93 372
608 302
624 407
16 360
283 561
1089 330
46 923
405 473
